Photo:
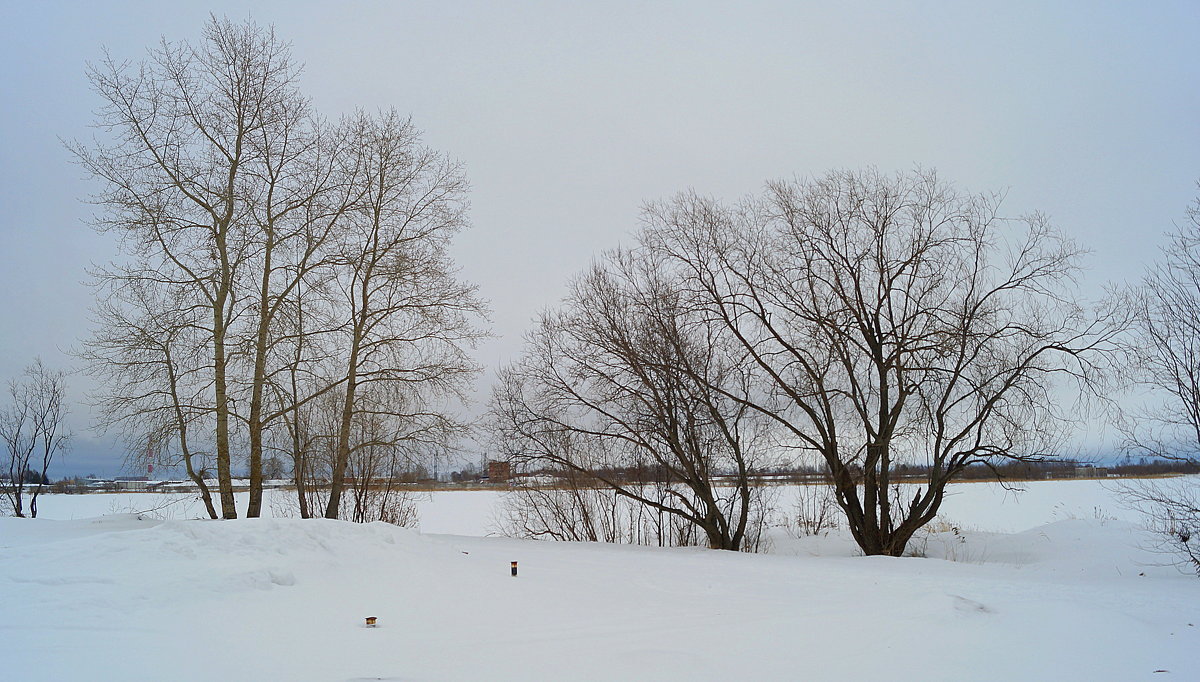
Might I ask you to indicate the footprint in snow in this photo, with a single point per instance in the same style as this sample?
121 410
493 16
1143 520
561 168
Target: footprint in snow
969 605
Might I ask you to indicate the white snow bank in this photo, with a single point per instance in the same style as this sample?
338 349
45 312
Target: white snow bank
139 599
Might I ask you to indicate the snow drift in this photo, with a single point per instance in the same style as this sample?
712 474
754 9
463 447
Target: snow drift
130 597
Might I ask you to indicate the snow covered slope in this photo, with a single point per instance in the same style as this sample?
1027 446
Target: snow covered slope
129 598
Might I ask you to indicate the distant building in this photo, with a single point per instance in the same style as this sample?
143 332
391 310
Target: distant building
1091 472
132 482
499 472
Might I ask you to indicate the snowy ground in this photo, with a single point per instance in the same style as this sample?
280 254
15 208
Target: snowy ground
1053 584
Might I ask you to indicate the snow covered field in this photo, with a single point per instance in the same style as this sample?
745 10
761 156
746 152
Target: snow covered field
1053 584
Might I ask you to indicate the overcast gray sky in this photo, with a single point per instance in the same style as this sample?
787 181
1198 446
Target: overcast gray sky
569 116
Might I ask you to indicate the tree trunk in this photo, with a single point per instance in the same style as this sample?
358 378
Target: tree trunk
255 425
342 456
224 469
301 497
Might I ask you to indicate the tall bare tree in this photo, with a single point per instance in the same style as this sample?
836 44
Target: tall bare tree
183 167
304 194
626 378
33 430
407 319
895 320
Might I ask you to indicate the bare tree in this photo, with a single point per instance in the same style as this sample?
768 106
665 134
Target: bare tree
1166 363
1166 355
625 379
304 192
407 319
183 170
150 357
894 319
33 429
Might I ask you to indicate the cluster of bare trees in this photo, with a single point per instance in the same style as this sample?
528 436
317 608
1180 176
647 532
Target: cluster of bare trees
858 319
34 431
286 296
286 291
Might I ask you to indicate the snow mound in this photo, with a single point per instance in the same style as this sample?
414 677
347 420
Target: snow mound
133 598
